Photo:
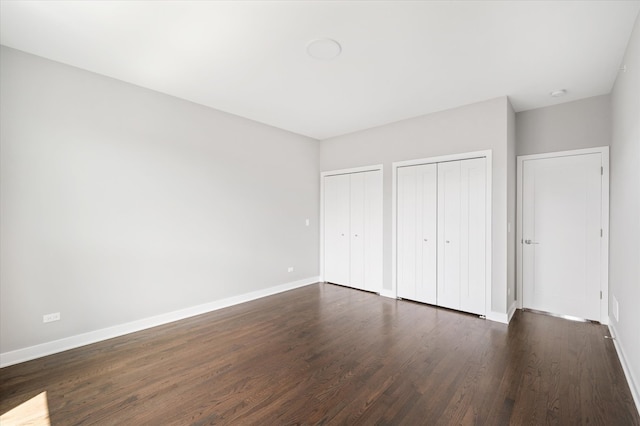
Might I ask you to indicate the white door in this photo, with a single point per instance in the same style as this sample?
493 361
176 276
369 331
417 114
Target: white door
353 229
356 231
336 229
373 230
417 232
561 233
473 225
449 243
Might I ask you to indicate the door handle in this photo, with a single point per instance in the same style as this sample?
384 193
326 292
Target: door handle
530 242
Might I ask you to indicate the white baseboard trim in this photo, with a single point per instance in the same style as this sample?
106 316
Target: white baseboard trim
387 293
634 384
498 317
512 311
49 348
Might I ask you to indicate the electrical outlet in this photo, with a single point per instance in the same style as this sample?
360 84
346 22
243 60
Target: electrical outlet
51 317
290 269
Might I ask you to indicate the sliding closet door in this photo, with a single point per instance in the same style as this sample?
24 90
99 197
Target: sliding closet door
336 229
416 236
473 235
449 243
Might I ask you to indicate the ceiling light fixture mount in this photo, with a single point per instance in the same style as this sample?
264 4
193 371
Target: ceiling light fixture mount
558 93
323 49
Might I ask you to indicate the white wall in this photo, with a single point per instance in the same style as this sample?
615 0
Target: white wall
585 123
624 243
468 128
120 203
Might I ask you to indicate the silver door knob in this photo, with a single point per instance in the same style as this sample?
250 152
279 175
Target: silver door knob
530 242
425 240
447 241
356 235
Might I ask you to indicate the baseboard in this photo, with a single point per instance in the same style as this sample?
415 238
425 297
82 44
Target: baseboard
49 348
387 293
512 311
632 381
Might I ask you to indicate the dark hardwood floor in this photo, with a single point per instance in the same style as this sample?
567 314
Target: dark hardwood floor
324 354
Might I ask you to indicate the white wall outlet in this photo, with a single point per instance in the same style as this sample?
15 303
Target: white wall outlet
51 317
306 222
616 309
290 269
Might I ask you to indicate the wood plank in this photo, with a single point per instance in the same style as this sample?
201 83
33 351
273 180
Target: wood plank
325 354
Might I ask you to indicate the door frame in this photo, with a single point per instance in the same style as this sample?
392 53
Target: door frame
394 227
604 241
371 168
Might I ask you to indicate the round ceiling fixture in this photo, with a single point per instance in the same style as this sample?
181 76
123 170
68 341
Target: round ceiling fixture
323 48
558 93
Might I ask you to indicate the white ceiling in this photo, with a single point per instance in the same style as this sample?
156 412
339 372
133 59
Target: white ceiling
399 59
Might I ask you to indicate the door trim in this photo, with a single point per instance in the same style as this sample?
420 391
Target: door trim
604 241
394 220
362 169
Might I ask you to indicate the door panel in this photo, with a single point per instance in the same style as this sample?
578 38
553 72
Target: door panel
417 200
473 235
561 235
407 229
357 203
336 229
427 237
449 234
373 230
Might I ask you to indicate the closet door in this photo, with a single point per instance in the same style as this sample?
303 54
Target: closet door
449 244
473 235
336 229
416 236
407 229
373 230
357 213
353 230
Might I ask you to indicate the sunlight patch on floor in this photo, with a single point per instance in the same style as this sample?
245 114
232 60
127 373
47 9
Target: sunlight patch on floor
32 412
